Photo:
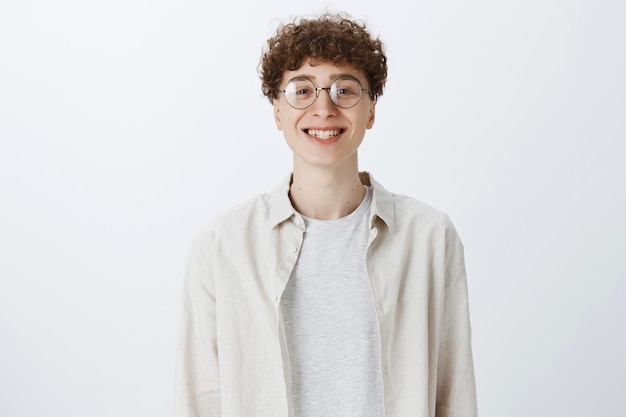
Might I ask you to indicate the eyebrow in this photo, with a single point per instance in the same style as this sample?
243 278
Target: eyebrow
330 77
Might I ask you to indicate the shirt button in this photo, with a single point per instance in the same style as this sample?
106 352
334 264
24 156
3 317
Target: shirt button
275 298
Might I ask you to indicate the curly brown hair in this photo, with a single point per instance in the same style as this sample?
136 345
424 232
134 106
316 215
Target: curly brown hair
333 38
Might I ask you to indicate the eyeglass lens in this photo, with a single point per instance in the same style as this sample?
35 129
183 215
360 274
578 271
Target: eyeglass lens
301 93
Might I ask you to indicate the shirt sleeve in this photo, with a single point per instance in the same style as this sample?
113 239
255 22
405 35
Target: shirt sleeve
197 385
456 390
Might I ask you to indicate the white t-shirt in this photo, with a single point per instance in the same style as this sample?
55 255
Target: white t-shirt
330 321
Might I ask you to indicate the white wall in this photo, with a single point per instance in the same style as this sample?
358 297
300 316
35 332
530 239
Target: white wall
125 125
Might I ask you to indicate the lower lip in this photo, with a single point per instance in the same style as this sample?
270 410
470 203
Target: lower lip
328 141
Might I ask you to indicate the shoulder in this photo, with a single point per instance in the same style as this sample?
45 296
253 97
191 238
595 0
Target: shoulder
416 226
407 207
242 218
400 211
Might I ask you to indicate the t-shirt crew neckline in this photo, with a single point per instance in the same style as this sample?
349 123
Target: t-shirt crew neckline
358 212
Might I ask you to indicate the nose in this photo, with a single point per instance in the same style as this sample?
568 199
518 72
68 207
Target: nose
323 105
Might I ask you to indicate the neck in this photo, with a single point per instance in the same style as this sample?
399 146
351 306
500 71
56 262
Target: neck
326 194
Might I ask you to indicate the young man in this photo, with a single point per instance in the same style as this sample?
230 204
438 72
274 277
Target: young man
329 296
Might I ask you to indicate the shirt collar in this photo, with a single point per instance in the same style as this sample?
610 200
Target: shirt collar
281 209
382 201
280 206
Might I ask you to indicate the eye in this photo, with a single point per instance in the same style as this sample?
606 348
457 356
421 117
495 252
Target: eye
300 88
347 87
344 91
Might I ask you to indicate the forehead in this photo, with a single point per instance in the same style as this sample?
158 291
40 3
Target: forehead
322 72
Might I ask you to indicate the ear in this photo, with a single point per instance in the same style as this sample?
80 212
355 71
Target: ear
279 125
372 114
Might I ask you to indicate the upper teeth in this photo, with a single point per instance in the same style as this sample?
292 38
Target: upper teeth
324 134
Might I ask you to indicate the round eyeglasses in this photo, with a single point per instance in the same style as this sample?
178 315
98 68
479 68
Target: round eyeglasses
344 92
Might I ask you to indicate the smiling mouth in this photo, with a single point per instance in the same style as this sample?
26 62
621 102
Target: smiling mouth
324 134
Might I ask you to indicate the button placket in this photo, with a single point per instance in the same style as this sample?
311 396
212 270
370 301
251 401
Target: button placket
291 237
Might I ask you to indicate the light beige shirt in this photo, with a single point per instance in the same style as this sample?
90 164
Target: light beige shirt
232 359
